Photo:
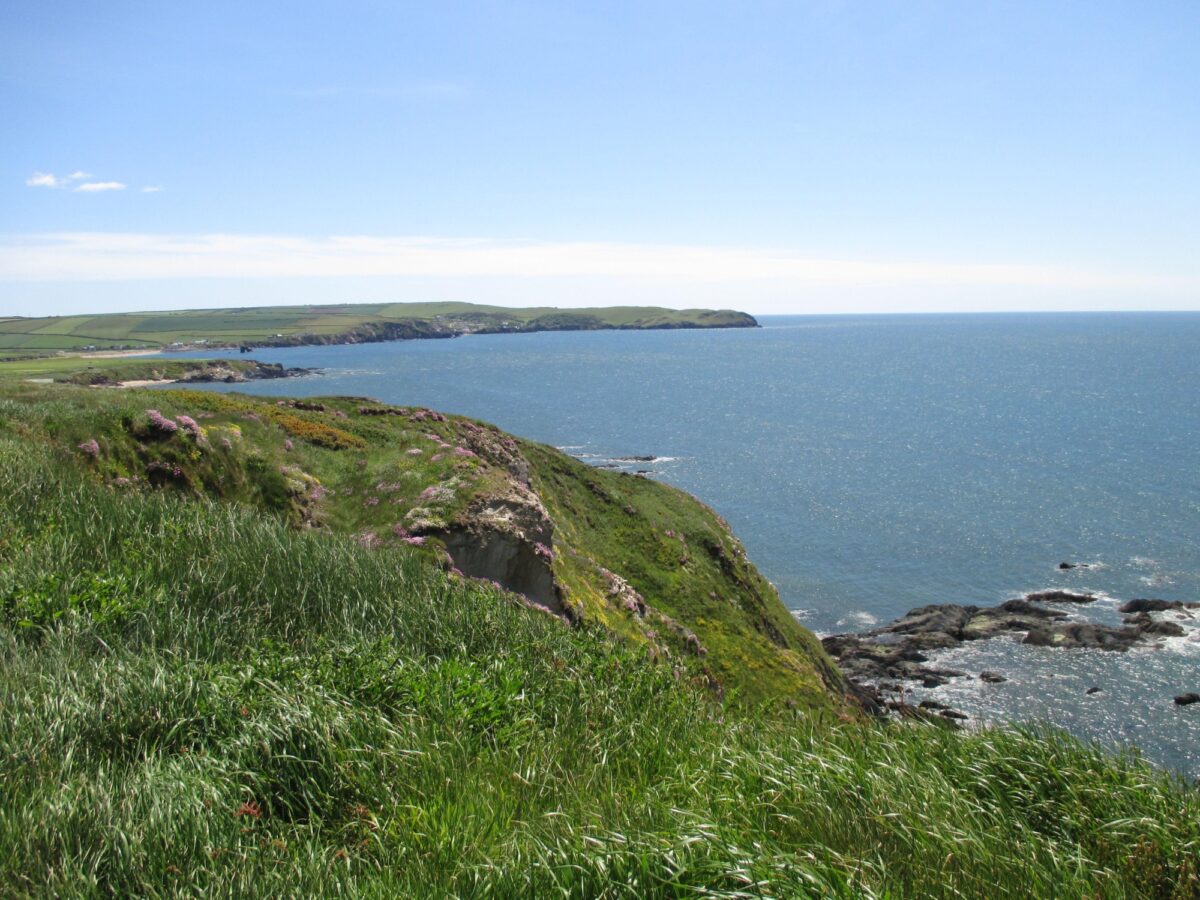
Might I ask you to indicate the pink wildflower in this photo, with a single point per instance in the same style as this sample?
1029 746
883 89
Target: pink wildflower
226 443
543 551
340 414
455 571
429 493
161 422
287 444
90 448
319 492
436 457
122 481
415 540
462 451
371 501
399 530
415 451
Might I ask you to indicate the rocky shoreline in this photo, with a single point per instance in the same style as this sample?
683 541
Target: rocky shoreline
880 660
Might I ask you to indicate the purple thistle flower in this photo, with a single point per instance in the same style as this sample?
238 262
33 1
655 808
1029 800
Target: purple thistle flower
90 448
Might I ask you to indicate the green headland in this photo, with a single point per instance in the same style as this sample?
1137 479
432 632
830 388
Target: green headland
344 323
255 647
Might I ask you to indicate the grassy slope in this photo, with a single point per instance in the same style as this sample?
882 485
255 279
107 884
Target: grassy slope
367 475
264 324
200 698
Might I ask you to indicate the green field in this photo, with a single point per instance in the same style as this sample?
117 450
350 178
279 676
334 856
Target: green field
326 324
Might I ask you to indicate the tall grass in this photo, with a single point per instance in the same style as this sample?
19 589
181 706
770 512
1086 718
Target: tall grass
195 699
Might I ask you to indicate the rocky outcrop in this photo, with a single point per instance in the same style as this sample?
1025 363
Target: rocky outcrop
507 539
1149 606
242 371
898 651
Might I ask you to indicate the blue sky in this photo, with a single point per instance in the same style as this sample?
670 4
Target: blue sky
776 157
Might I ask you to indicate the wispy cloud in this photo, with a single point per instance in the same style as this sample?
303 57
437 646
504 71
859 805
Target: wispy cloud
45 179
92 256
152 189
49 180
94 187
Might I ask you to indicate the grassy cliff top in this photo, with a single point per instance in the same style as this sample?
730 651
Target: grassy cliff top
235 661
274 325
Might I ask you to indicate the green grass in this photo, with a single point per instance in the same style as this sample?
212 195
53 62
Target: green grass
287 324
200 698
85 370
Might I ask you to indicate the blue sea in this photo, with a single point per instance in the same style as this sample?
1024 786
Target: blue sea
872 464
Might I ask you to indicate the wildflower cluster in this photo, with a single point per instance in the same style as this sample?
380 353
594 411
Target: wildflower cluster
161 422
192 427
90 448
543 551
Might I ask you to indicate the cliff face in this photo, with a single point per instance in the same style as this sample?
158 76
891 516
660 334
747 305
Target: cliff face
648 563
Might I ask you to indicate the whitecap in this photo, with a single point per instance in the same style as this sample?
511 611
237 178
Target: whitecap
859 617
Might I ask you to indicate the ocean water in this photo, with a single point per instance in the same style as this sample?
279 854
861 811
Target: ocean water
872 464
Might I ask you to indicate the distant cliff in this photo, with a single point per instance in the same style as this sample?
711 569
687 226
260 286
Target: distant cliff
274 326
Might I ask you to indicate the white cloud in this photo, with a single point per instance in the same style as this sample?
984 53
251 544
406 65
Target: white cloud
44 179
687 271
151 189
78 175
92 187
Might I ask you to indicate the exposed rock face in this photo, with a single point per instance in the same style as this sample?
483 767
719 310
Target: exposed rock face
507 539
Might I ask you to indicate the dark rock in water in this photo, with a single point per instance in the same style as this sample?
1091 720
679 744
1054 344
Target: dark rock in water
932 704
1147 606
1084 635
1056 595
898 651
1187 699
635 458
1093 690
1066 565
953 714
1156 627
